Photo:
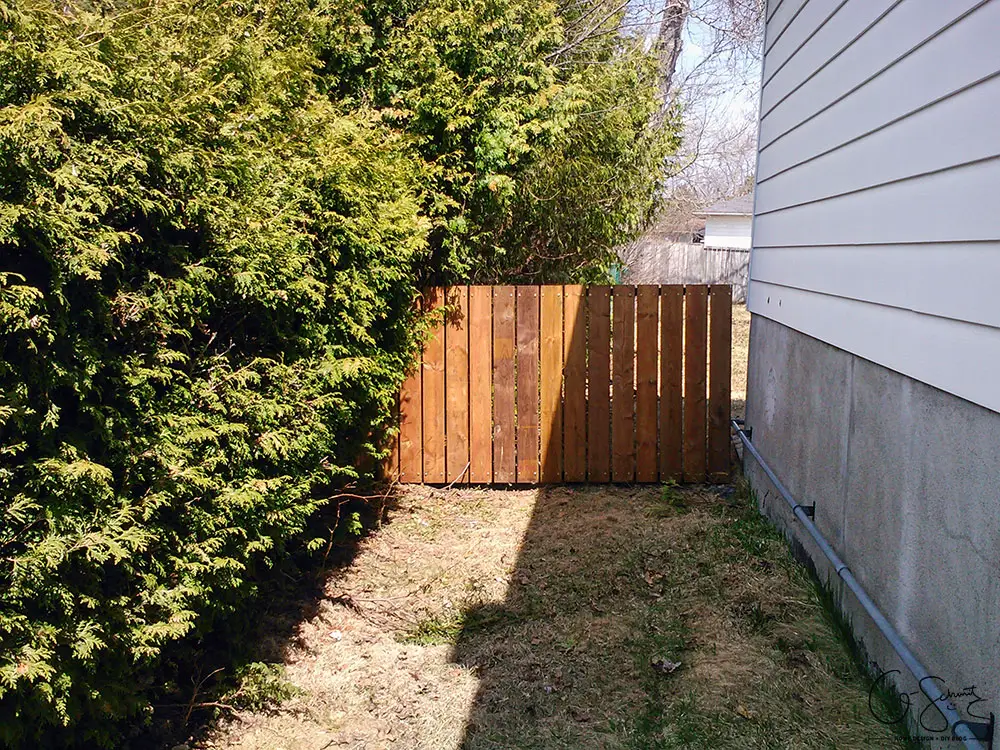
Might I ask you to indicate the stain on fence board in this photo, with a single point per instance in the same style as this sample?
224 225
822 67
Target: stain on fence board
574 385
720 373
646 304
480 384
562 383
527 384
671 382
623 385
695 381
456 338
433 384
599 384
503 385
551 382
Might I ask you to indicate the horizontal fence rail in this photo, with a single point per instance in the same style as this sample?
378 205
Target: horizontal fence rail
552 383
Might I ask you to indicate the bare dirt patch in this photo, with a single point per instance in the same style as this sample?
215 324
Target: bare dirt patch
568 618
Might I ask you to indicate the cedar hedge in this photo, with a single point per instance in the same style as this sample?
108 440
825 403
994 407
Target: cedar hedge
214 219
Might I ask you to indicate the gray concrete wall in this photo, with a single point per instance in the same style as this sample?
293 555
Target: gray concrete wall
906 481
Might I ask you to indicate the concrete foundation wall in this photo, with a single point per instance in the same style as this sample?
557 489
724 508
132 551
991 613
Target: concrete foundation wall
906 481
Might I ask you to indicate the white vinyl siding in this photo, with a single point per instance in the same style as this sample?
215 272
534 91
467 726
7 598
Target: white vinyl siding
877 214
728 231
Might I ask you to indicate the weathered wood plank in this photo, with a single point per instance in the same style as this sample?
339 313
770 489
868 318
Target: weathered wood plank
646 314
574 385
719 381
503 385
599 384
551 383
480 384
456 338
623 382
527 384
671 382
434 397
695 381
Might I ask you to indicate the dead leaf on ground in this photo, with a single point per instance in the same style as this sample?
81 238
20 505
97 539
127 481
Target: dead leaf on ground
665 666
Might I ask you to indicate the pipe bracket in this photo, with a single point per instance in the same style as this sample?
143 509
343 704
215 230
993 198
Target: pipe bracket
983 730
809 510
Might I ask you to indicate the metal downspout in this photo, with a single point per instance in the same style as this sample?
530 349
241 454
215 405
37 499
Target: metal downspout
959 727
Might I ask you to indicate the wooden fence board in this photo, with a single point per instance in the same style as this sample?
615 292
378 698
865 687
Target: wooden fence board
646 304
456 338
434 406
695 380
567 383
671 382
551 382
599 384
623 385
480 384
574 385
503 384
527 384
720 374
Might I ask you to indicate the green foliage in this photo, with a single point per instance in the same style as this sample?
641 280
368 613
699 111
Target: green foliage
540 156
207 278
261 685
214 218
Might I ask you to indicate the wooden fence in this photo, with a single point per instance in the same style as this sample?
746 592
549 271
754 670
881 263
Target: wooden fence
548 384
658 260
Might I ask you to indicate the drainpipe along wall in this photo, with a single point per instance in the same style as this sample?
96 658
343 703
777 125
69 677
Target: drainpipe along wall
961 729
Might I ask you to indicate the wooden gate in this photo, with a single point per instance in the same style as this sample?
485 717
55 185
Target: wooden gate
546 384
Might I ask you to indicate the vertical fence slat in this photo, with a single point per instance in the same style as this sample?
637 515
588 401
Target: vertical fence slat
527 384
646 303
433 376
551 383
599 384
623 385
480 384
720 364
575 385
671 381
411 460
456 339
503 384
695 377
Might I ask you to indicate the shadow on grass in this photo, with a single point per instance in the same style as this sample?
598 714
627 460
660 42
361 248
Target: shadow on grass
237 662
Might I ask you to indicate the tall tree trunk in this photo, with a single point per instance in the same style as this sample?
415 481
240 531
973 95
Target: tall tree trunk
668 46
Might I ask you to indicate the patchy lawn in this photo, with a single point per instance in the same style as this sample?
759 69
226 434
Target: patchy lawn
567 617
741 346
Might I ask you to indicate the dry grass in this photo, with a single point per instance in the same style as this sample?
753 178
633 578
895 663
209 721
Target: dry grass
741 346
535 619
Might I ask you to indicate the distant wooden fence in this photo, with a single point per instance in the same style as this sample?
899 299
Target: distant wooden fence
548 384
660 261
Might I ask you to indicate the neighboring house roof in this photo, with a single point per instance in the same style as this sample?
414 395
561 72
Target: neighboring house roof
742 206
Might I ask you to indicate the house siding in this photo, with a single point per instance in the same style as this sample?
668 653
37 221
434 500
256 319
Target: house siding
728 232
876 224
